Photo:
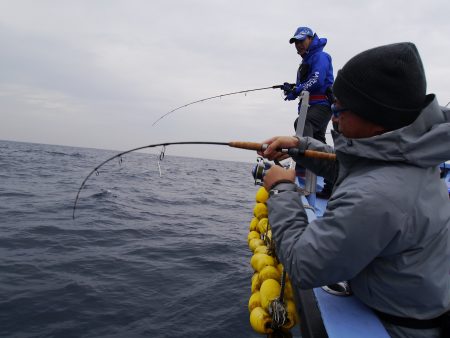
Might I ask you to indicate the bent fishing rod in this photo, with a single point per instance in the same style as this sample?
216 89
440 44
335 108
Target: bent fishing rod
215 97
236 144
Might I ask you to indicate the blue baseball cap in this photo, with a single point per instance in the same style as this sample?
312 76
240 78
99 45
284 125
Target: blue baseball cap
301 33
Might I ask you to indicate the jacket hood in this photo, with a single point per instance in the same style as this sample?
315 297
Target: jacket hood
316 46
424 143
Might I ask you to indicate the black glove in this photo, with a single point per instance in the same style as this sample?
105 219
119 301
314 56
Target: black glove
287 87
294 93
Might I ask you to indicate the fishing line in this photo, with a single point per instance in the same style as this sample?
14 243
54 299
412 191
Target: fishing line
235 144
95 170
215 97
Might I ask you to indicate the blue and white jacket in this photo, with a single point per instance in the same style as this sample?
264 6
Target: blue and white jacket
315 73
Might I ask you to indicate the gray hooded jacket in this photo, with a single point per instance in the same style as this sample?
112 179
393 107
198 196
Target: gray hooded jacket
386 228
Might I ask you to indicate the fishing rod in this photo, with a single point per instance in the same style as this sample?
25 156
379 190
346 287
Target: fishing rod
214 97
235 144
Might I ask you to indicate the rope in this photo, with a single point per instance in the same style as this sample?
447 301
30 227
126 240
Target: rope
277 309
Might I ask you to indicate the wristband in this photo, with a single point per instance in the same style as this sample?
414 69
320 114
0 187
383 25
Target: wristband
284 187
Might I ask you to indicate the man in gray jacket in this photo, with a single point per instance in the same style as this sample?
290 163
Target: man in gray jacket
386 228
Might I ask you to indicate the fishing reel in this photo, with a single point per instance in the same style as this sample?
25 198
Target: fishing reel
259 170
261 167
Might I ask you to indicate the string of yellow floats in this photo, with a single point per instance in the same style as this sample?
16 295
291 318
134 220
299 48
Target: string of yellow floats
266 279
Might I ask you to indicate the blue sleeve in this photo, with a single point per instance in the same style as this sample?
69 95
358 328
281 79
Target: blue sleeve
319 69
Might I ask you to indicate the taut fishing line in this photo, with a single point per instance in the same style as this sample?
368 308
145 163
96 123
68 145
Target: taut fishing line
95 170
235 144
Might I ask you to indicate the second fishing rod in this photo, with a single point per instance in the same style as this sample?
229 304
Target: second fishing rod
283 87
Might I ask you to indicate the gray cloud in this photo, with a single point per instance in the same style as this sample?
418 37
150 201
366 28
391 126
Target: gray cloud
98 73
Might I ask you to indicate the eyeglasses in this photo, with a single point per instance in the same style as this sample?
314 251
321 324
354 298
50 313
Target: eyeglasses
336 112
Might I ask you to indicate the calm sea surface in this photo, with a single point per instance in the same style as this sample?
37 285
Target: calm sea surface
145 257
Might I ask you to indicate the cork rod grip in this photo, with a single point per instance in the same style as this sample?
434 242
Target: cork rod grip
261 146
246 145
319 154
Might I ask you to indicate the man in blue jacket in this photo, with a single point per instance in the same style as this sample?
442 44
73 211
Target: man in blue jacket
315 75
386 228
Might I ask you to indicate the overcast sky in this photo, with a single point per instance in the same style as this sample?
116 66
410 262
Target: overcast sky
97 74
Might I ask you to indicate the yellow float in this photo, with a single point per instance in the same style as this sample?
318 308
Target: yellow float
253 235
267 277
255 243
263 225
262 195
260 210
254 301
254 224
261 249
260 260
255 282
269 272
269 290
261 321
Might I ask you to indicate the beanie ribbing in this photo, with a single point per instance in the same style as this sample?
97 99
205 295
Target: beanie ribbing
385 85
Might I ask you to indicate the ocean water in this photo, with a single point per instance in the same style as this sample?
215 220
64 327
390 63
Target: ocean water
146 256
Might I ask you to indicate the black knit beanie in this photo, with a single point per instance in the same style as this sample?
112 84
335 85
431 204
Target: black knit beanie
385 85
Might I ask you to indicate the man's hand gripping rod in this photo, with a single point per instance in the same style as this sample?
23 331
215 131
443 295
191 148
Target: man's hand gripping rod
289 151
